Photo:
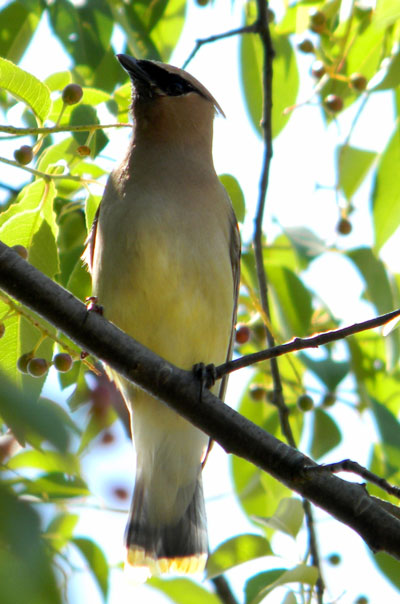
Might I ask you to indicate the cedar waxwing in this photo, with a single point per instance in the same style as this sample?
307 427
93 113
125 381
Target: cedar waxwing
164 255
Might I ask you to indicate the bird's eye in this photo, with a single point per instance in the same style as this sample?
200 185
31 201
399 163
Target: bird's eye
179 87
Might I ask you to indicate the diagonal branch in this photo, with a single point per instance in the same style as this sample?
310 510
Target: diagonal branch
347 502
297 344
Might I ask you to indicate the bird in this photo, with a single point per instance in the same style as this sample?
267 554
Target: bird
164 256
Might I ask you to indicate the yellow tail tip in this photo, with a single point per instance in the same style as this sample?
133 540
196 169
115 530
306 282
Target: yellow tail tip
140 566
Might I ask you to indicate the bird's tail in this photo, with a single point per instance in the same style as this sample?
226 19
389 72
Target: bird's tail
177 543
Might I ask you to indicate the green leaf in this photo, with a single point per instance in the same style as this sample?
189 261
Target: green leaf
285 81
58 80
325 435
330 372
388 425
235 551
306 244
153 28
389 566
236 194
293 301
56 485
391 74
84 30
26 88
352 166
95 426
183 591
378 289
256 491
18 24
60 529
96 560
386 193
261 585
50 461
31 419
25 565
288 518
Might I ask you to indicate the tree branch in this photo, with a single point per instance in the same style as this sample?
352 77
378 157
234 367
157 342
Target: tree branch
347 502
297 344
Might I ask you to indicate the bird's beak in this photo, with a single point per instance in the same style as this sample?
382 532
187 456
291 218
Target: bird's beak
131 66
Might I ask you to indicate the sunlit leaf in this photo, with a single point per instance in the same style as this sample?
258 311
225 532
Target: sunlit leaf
50 461
235 551
30 419
293 301
325 435
25 565
184 591
18 24
236 194
96 560
261 585
352 166
25 87
285 83
288 518
60 529
386 193
389 566
330 372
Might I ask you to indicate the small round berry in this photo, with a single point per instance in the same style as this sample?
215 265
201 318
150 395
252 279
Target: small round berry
202 2
37 367
257 393
358 82
21 251
305 402
306 46
329 400
72 94
107 438
361 600
22 362
318 69
120 493
334 559
270 15
317 21
23 155
62 362
242 334
2 329
344 226
83 150
333 103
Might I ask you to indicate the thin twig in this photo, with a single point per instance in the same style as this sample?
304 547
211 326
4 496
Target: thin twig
46 176
247 29
297 344
278 398
347 465
223 590
53 129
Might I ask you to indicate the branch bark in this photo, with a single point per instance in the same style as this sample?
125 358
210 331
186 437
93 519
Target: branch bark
347 502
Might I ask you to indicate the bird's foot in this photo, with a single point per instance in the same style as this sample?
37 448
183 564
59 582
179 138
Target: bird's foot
92 306
206 374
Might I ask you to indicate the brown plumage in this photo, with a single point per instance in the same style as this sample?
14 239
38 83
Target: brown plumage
164 256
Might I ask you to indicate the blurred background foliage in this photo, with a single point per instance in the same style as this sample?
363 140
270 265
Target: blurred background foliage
355 50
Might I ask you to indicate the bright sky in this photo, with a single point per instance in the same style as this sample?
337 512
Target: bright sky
301 157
